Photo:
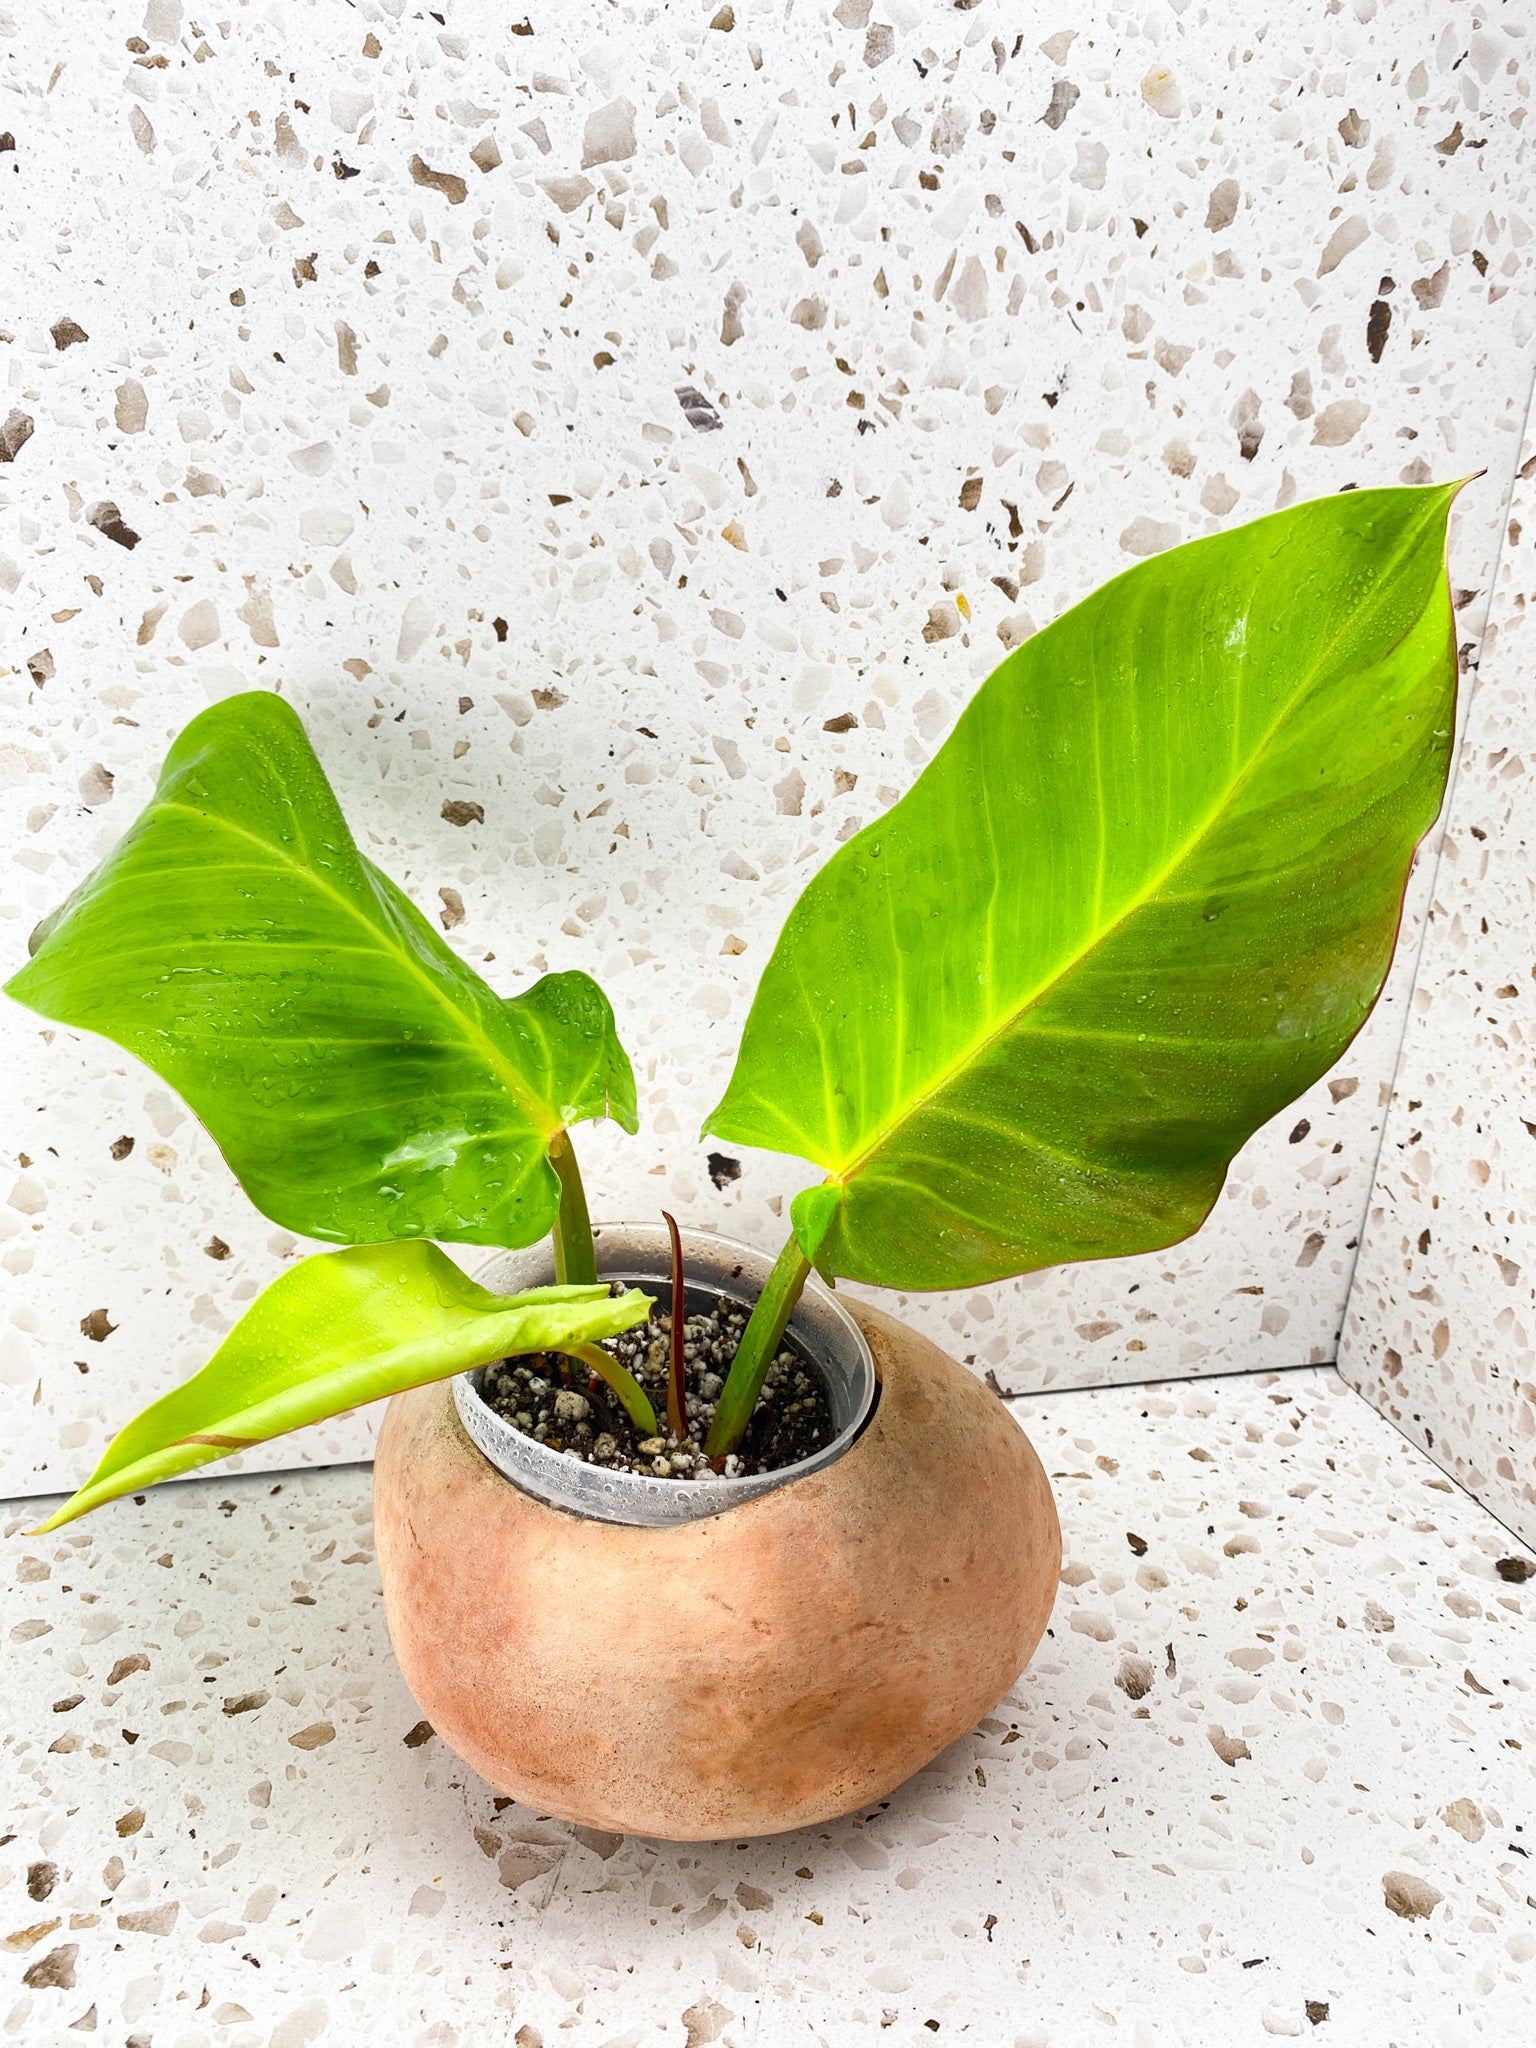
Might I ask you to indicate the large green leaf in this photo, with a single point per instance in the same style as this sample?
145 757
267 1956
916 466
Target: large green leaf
1145 893
360 1079
335 1331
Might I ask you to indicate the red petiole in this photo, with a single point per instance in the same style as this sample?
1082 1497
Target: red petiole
677 1382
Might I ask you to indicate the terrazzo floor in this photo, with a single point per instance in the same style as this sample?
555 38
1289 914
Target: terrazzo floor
1269 1775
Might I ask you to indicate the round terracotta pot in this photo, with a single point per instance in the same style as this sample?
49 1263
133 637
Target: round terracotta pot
763 1669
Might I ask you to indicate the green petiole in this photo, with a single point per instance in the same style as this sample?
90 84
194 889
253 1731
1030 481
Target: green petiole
757 1350
625 1388
575 1266
575 1259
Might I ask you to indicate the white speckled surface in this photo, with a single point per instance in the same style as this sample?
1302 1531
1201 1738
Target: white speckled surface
1441 1331
1177 1830
1107 283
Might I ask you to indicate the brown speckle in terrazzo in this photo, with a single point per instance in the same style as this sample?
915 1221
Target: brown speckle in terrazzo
15 433
697 409
1232 1749
449 183
1378 327
159 1920
1464 1816
109 522
96 1326
28 1937
54 1971
723 1169
1410 1896
1134 1677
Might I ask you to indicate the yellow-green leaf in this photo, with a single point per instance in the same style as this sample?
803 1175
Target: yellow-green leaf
361 1079
1145 893
332 1332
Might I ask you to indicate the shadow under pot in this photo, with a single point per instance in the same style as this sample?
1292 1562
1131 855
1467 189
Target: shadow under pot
698 1659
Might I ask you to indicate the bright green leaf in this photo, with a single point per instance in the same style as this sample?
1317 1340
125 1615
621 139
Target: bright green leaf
332 1332
361 1080
1145 894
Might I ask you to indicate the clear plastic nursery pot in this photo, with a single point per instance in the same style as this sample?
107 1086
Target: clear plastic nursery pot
641 1253
699 1660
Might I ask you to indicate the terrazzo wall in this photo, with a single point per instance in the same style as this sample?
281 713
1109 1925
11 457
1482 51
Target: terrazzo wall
628 435
1442 1319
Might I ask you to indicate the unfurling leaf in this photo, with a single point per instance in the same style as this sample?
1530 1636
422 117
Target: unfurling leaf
361 1080
332 1332
1145 894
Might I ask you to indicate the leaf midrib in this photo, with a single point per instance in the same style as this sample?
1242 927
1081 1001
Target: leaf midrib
538 1112
1149 889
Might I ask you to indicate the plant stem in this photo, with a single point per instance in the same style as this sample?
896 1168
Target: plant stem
757 1350
626 1389
575 1260
677 1378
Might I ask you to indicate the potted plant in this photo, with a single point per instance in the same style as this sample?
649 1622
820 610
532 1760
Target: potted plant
746 1561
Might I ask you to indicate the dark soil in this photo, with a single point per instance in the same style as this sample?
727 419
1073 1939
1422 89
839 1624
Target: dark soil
561 1402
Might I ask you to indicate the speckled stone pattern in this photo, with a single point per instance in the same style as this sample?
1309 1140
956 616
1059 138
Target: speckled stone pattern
1442 1319
628 435
1264 1777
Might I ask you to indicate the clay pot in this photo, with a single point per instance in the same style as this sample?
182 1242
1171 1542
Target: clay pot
763 1669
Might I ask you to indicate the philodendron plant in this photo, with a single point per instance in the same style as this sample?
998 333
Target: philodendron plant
366 1087
1145 893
